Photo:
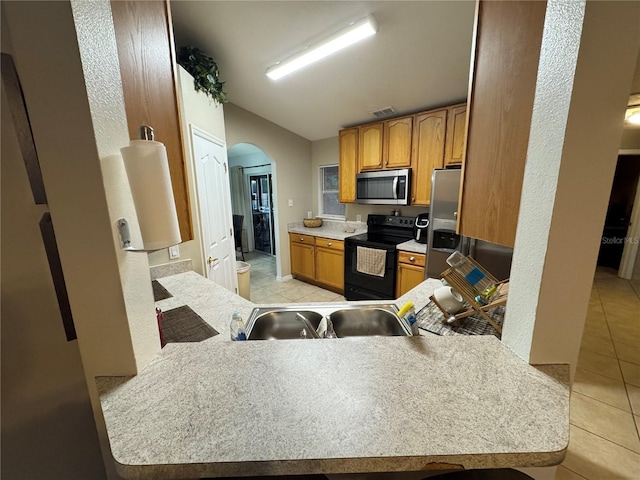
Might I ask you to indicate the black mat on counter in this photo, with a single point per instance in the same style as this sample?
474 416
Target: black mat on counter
159 292
182 324
430 318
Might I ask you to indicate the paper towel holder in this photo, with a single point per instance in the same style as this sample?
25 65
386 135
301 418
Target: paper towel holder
146 133
125 237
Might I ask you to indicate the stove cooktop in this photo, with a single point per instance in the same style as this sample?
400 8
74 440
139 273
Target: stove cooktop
386 230
381 239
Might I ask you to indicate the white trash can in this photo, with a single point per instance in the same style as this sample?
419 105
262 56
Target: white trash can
243 269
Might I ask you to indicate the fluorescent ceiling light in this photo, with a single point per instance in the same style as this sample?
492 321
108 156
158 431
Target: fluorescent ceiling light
634 118
353 33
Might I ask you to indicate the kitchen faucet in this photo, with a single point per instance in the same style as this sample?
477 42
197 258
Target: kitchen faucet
307 325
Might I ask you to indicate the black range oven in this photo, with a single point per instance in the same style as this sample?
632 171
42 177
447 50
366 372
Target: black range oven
384 233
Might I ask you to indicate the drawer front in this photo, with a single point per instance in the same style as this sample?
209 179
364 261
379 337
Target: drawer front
329 243
412 258
300 238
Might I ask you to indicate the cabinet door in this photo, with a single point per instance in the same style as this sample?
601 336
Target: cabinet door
330 267
456 134
507 51
302 260
348 165
409 276
397 142
370 146
411 258
149 77
428 153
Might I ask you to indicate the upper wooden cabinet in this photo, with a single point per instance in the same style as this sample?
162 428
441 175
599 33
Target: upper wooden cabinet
348 165
506 55
149 78
417 141
385 144
428 153
456 134
370 146
396 141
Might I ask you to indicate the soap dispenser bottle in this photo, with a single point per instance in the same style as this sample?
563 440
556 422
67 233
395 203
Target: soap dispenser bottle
237 327
408 312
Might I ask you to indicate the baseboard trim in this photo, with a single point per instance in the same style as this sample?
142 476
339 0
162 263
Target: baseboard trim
284 279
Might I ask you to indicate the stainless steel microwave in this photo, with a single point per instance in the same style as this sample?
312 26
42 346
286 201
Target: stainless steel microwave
385 187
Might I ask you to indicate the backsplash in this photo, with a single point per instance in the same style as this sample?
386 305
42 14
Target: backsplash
336 225
173 268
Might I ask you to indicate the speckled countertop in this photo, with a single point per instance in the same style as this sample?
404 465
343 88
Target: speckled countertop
376 404
336 231
413 246
329 229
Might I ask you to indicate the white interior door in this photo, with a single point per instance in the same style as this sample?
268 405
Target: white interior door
212 180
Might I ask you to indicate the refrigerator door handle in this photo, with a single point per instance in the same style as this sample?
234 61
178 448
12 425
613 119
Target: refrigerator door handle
467 246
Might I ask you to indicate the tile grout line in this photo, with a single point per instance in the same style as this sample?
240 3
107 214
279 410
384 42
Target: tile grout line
604 438
605 403
575 473
615 349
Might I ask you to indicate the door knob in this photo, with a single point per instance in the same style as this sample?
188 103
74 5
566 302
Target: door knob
211 260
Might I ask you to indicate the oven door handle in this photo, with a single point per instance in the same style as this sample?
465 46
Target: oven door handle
395 188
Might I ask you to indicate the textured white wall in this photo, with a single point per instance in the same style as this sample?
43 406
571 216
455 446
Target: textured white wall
100 65
583 85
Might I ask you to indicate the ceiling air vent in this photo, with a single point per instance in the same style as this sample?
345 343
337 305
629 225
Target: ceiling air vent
384 112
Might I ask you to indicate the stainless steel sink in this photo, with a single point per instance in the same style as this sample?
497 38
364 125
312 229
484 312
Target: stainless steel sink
279 324
367 321
270 323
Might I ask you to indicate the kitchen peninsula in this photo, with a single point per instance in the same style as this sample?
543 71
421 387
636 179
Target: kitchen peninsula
359 404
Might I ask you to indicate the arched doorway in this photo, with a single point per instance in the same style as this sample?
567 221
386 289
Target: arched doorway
253 198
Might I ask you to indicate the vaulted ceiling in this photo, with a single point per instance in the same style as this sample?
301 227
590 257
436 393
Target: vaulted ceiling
419 58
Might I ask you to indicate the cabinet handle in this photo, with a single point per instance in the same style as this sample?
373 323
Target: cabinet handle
413 199
455 214
329 244
301 239
412 259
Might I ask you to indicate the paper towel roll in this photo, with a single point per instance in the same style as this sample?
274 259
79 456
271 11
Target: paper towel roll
150 182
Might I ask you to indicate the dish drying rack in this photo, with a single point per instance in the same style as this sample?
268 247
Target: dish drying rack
469 294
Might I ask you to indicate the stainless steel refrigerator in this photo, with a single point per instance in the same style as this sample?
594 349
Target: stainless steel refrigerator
442 239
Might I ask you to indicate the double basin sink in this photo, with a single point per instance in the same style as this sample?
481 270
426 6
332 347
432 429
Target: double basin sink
278 323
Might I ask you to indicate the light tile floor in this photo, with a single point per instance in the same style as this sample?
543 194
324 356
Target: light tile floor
605 399
266 289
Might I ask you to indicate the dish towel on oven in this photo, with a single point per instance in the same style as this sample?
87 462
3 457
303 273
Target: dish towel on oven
371 261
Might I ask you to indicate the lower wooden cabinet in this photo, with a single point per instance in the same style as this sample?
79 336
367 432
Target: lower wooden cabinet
410 271
318 260
302 248
330 263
